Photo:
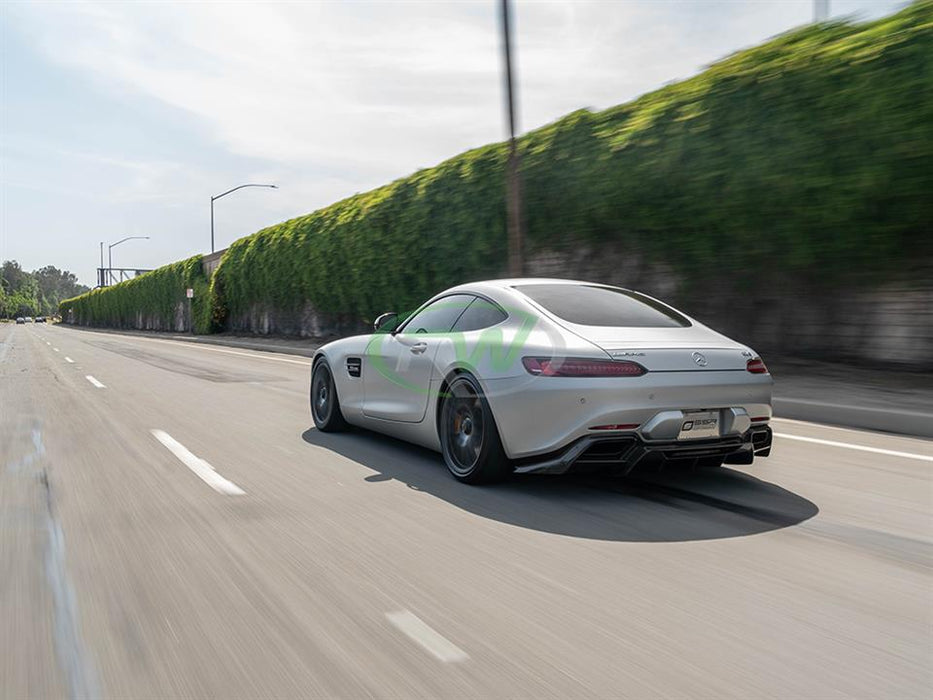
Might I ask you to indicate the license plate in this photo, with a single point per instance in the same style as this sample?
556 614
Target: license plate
698 425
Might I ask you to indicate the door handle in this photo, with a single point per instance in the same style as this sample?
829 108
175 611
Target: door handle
418 348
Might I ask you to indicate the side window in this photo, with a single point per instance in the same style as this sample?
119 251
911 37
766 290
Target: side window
480 314
439 316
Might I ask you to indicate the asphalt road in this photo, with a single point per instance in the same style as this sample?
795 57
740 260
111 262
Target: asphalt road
173 527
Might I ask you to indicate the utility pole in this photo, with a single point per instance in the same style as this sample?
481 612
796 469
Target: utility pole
100 271
820 10
513 184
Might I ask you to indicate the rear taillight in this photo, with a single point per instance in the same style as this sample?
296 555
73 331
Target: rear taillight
756 366
581 367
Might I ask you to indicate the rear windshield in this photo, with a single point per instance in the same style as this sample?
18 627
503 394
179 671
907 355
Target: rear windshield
602 306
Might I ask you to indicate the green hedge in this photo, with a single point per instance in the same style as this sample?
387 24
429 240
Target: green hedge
149 301
807 157
389 247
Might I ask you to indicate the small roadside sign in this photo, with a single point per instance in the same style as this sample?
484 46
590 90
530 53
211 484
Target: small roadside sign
190 293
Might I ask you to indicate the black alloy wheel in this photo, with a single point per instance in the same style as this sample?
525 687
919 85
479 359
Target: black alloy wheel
469 438
325 406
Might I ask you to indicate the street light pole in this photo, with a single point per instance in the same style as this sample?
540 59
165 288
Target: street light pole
114 245
100 272
513 185
224 194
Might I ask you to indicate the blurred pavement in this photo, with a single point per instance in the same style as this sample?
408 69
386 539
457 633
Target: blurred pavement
355 566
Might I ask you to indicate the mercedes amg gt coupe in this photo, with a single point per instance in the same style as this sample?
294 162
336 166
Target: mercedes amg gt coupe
546 376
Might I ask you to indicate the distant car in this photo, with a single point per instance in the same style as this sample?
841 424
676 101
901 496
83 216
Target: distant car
40 319
548 376
29 319
20 319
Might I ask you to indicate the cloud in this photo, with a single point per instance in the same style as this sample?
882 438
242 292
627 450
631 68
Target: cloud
383 88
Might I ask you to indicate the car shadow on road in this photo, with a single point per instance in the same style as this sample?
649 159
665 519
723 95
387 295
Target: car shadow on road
670 506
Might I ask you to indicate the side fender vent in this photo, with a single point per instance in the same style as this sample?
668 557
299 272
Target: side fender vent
354 366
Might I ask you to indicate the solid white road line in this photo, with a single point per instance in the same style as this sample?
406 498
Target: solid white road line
270 356
69 360
199 466
860 448
258 356
432 642
94 382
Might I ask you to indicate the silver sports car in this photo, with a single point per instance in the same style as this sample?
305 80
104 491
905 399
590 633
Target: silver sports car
546 375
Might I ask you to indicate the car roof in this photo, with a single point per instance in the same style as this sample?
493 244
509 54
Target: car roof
496 288
514 281
509 282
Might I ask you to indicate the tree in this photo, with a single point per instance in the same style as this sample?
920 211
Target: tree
55 285
12 274
30 293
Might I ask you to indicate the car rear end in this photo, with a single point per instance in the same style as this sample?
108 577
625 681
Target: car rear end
668 390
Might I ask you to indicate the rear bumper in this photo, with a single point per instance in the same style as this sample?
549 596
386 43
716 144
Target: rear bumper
544 415
620 454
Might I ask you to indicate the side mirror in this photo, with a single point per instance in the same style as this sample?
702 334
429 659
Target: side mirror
386 322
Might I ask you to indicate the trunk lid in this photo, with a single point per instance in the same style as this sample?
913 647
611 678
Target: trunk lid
692 349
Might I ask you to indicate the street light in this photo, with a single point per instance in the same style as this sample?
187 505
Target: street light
224 194
113 245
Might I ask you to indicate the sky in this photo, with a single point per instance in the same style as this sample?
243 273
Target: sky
123 118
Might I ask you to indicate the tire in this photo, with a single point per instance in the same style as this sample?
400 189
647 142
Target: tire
469 437
325 405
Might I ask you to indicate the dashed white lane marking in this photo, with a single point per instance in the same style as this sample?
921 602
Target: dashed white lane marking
47 342
55 349
199 466
431 641
69 360
860 448
94 382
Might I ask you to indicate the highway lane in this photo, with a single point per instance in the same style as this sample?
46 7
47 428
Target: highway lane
353 565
